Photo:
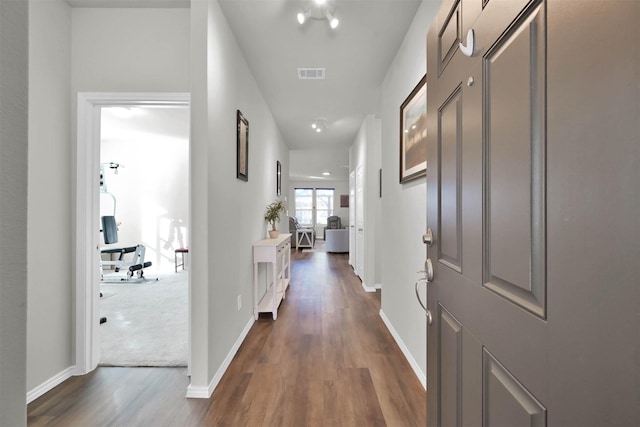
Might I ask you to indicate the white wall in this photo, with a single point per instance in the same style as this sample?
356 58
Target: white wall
90 50
152 186
130 50
227 213
309 164
51 205
13 208
403 205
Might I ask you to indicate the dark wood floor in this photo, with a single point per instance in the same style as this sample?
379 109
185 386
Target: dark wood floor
327 361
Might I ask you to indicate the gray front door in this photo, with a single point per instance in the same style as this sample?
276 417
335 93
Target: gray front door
533 190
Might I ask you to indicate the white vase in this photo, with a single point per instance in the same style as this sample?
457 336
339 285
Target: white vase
274 233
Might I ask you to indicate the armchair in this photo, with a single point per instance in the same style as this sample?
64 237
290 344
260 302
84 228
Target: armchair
333 222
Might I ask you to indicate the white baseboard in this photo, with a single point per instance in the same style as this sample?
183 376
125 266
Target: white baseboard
368 288
50 384
206 392
407 354
198 392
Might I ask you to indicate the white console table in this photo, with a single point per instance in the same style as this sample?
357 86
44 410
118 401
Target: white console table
276 253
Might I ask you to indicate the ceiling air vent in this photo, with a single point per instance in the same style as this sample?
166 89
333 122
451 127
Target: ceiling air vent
311 73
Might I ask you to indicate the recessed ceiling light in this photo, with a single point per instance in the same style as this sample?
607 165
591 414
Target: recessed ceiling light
326 173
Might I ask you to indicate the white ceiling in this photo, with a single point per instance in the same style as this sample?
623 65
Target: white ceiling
356 56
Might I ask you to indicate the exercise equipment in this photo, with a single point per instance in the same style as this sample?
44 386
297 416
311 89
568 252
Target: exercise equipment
130 258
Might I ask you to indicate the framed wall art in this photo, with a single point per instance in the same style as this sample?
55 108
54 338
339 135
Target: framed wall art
278 178
242 147
413 133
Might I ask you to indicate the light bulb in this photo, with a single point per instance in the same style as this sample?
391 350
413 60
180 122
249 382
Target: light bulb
313 125
318 130
333 23
301 18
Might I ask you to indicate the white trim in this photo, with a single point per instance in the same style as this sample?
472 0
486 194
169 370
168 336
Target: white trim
407 354
368 288
87 350
49 384
199 392
206 392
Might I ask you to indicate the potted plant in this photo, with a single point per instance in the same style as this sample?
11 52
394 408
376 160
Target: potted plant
272 216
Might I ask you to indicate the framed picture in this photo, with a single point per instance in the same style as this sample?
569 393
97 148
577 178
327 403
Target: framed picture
278 178
242 148
413 133
344 201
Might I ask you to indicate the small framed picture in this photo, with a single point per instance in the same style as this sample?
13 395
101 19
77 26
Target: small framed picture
413 133
278 178
242 148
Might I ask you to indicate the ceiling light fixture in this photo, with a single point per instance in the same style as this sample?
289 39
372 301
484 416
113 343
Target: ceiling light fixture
303 16
319 124
319 9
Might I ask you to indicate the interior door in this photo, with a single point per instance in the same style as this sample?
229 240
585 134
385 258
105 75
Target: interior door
352 218
534 212
359 267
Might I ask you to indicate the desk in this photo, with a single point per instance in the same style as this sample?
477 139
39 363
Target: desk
304 238
276 253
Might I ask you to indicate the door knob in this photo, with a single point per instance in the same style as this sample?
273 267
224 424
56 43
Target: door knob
427 238
428 271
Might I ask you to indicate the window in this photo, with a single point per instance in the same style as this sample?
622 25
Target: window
324 205
304 205
314 205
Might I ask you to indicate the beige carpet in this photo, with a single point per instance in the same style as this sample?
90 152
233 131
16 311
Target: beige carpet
147 323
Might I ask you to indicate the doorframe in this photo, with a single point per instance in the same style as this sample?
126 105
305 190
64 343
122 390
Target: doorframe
87 247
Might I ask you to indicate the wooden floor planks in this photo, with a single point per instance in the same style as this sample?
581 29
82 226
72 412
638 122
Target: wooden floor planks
327 361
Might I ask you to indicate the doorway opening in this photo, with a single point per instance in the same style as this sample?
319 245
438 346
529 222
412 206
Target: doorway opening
158 227
144 161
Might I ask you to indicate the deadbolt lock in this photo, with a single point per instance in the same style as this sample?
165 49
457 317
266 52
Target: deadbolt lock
427 238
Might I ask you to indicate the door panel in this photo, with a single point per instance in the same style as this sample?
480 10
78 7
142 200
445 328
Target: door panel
450 357
514 156
450 149
449 34
506 401
533 203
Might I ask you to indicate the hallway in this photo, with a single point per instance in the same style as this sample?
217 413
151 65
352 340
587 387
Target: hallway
327 361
